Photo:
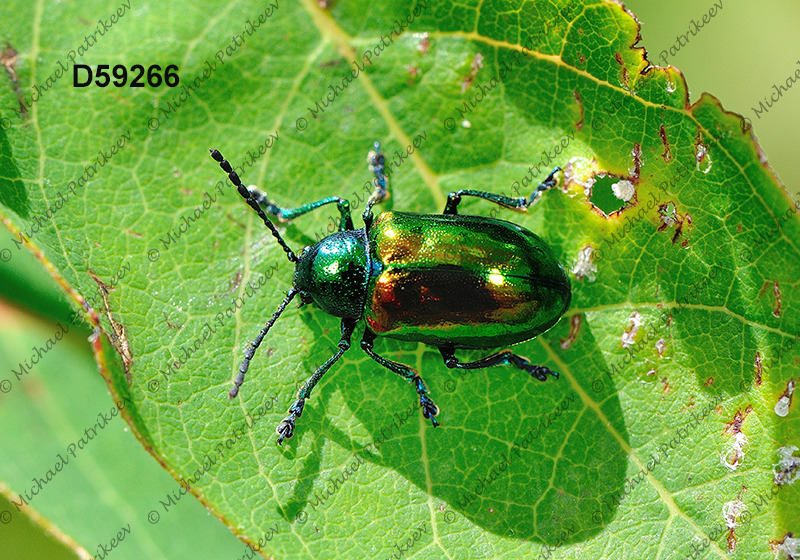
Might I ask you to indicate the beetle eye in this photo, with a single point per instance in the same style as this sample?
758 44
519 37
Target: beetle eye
305 299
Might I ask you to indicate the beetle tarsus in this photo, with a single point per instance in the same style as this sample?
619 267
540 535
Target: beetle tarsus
504 357
266 204
285 429
540 372
516 203
544 186
429 408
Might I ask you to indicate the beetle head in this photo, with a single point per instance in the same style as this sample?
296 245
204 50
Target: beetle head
333 274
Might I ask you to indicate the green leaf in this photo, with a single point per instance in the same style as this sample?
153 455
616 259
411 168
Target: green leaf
108 483
32 536
23 280
578 95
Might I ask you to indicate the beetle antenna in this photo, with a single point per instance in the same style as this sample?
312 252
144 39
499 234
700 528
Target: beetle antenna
250 352
248 197
376 165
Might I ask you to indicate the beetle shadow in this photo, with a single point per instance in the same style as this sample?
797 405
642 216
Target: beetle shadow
519 458
309 472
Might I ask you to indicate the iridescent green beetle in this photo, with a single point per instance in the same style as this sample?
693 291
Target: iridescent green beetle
448 280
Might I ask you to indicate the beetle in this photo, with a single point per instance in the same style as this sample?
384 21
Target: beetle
448 280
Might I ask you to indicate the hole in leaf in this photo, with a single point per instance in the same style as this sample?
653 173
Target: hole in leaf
603 195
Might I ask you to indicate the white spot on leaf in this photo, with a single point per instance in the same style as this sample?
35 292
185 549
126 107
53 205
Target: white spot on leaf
702 154
788 468
628 336
623 190
732 456
783 404
791 547
732 510
584 267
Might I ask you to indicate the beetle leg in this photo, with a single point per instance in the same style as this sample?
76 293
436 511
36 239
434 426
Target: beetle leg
506 357
285 429
287 214
283 214
520 203
429 408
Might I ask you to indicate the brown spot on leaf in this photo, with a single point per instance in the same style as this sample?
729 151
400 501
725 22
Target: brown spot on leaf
9 58
701 152
170 325
785 401
118 337
735 426
330 63
574 327
477 64
759 369
671 218
731 514
424 44
637 159
577 96
732 540
235 221
236 281
777 291
667 155
732 456
776 546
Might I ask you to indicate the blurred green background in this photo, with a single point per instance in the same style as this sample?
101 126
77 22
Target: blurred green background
738 57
